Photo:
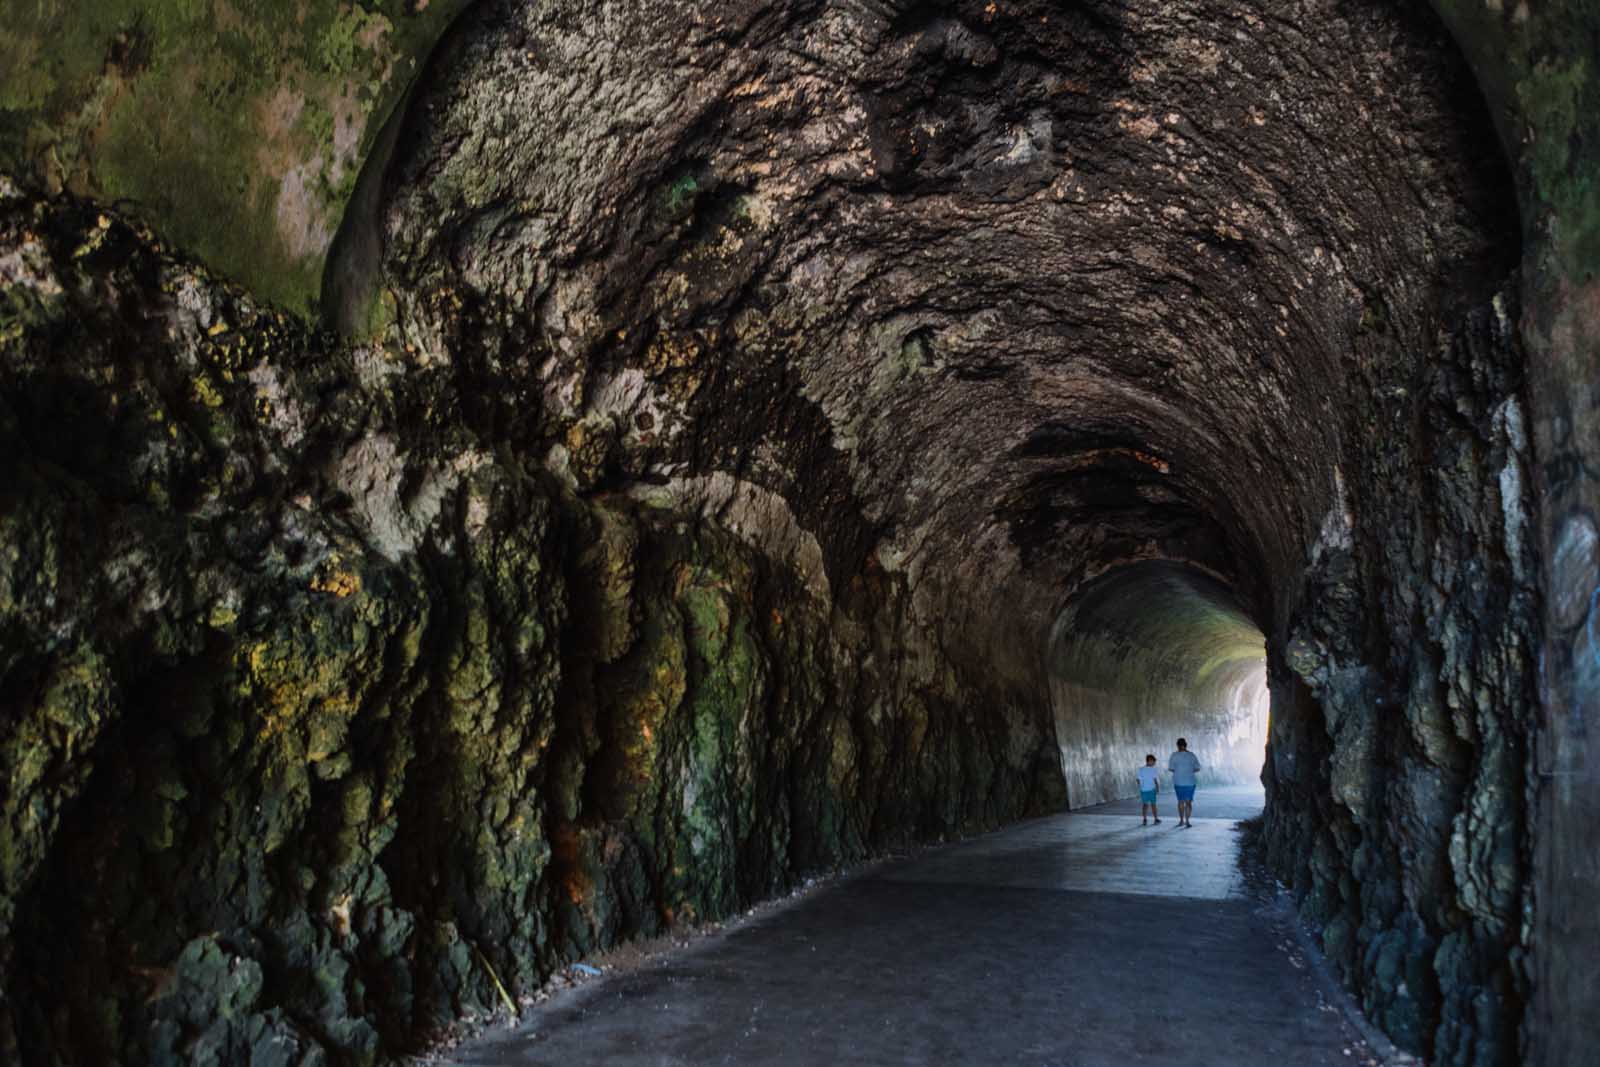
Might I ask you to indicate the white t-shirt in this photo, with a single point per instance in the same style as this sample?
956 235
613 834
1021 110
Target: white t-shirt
1183 764
1149 779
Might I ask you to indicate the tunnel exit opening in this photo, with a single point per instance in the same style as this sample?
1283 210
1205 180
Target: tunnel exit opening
1146 654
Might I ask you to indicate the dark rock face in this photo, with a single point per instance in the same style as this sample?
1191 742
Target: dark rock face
328 718
785 410
1398 792
1536 69
1069 290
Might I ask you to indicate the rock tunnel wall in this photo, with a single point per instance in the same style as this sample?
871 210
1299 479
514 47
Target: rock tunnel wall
1398 772
742 391
329 719
1536 68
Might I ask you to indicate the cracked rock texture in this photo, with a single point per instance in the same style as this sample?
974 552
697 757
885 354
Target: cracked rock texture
1398 775
784 429
327 716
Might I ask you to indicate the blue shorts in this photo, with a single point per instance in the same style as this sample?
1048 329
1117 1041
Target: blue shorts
1185 792
1147 797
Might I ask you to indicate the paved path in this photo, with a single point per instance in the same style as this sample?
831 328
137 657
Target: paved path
1225 802
1079 939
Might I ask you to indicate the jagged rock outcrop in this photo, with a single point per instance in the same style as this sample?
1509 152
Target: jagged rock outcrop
1399 794
329 717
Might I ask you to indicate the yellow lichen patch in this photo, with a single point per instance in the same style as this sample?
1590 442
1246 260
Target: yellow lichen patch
273 724
672 352
207 393
576 434
303 694
91 242
336 580
222 615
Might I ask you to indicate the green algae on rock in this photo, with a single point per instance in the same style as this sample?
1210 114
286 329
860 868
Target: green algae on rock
322 745
237 130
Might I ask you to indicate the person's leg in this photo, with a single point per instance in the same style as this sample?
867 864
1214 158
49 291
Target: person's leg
1185 795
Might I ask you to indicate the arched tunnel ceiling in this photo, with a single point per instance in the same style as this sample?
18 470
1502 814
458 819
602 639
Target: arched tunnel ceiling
1007 293
1173 614
1100 305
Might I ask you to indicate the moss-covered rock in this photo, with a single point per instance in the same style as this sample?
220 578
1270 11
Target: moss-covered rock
331 721
239 130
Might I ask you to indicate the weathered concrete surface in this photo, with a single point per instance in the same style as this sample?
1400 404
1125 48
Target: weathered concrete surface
1144 655
1229 803
1016 947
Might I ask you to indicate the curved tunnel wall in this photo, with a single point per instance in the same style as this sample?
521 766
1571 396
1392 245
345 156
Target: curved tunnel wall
748 388
1145 655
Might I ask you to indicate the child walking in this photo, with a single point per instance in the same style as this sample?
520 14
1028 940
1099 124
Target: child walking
1149 785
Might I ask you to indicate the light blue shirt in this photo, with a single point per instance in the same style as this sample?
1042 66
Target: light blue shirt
1183 766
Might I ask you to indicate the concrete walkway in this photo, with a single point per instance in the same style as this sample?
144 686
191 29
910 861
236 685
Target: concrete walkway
1078 939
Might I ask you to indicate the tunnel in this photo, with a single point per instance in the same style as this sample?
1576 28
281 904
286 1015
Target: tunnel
1146 654
492 482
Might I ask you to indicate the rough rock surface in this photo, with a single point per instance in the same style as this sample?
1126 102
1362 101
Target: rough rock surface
328 715
1064 291
781 404
1398 793
1535 65
241 127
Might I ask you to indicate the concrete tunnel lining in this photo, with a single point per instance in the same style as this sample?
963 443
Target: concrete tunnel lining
1146 654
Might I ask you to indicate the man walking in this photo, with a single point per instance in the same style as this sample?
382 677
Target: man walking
1183 766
